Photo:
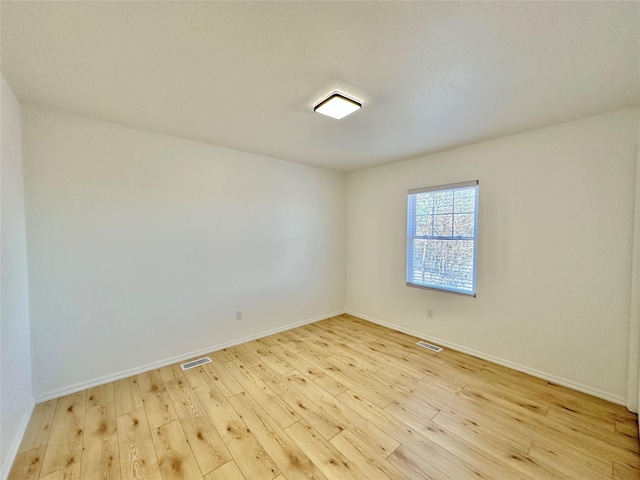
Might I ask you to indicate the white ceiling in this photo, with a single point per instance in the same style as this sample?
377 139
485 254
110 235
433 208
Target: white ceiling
245 75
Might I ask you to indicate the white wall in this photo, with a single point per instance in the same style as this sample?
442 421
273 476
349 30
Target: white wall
633 397
554 250
142 246
16 396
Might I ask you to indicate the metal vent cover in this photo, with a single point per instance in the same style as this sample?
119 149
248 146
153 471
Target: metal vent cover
195 363
433 348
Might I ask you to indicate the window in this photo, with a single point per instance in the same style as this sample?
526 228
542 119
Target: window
442 229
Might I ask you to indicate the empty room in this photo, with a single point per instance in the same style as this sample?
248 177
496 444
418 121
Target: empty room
325 240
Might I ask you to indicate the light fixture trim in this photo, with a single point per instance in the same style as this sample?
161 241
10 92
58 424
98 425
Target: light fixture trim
337 105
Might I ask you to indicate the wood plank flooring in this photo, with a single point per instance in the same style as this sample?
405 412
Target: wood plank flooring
338 399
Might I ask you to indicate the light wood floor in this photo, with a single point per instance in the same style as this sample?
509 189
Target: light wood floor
338 399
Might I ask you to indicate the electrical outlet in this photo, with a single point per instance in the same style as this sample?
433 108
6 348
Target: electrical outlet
429 312
238 314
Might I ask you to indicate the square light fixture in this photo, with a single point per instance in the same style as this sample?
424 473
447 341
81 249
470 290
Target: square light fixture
337 106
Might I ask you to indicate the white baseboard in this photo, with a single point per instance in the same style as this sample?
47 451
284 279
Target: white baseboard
17 440
500 361
78 387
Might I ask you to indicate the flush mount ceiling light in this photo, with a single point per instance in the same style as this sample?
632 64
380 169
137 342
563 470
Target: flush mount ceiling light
337 106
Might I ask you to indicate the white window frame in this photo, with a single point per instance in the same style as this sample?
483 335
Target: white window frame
412 237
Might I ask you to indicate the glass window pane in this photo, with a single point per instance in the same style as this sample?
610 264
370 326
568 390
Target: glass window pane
443 263
424 225
424 203
442 201
463 225
442 225
465 200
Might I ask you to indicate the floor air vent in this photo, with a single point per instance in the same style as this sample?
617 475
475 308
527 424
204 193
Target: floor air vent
195 363
433 348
